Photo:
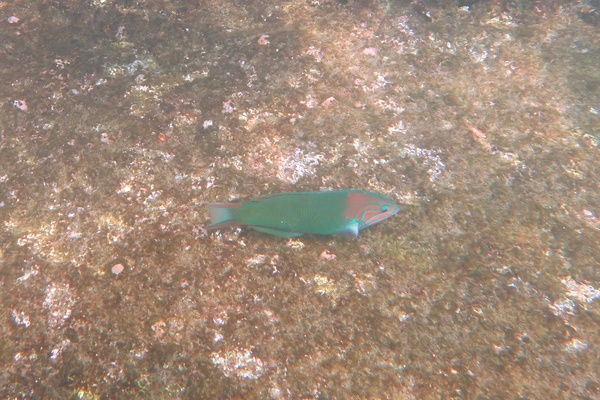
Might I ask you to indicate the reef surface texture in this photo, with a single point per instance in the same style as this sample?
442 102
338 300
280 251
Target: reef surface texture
120 120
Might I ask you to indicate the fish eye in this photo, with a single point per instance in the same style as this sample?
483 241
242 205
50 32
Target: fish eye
384 208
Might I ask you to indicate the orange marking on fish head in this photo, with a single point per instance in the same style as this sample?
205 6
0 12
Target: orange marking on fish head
368 209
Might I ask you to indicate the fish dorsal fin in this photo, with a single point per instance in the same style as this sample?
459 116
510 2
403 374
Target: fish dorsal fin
274 196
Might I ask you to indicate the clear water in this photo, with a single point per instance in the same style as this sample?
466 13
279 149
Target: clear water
120 120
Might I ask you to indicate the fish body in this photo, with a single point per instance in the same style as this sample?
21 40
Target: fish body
343 212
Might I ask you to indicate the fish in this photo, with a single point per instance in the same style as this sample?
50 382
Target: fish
288 215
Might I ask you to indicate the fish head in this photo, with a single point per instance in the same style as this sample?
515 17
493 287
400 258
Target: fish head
369 208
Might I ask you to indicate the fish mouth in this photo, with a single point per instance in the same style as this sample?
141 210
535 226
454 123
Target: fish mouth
378 218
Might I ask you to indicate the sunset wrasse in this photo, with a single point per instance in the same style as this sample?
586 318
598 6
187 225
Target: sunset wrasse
287 215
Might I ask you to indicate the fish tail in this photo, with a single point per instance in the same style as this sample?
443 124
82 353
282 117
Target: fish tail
222 215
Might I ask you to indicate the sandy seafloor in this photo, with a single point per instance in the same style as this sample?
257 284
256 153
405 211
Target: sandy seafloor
120 120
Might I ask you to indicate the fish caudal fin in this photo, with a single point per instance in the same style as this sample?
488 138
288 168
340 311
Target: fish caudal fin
222 215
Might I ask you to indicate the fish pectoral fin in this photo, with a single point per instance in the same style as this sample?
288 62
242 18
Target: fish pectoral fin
276 232
350 230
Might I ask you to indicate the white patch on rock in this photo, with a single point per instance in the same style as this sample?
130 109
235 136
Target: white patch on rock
239 362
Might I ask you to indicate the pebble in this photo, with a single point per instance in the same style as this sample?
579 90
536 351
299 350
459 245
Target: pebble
117 269
21 105
263 40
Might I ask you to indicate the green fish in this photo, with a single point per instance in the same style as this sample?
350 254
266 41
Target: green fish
343 212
